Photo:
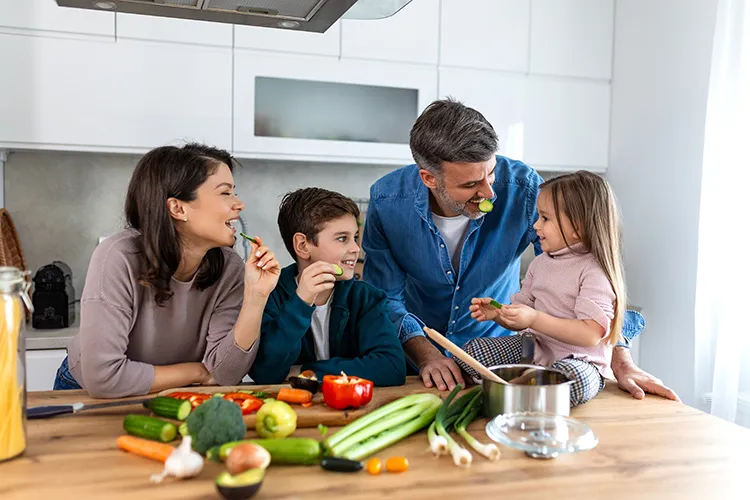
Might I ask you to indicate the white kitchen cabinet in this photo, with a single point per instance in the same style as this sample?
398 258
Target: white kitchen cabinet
572 37
411 35
46 16
166 29
41 368
550 123
488 34
319 109
278 40
568 123
126 96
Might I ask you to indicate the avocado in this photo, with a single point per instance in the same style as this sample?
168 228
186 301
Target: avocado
240 486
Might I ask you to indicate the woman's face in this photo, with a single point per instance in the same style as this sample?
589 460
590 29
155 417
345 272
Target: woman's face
210 215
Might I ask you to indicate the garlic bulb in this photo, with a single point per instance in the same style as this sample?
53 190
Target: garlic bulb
182 463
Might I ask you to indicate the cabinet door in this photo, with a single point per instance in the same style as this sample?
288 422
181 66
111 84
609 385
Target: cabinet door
572 37
125 96
550 123
278 40
297 107
568 123
41 368
410 35
489 34
46 15
137 27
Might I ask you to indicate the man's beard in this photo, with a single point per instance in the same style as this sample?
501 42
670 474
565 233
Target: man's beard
447 200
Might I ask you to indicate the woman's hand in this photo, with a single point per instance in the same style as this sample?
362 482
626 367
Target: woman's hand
516 316
262 270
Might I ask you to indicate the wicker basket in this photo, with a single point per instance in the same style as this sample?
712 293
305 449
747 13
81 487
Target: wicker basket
11 253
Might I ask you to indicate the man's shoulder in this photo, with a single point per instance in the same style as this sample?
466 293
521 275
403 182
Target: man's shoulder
515 172
400 183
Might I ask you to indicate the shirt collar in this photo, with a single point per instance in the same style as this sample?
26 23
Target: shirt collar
574 249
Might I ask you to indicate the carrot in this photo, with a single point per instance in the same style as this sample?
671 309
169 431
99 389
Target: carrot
294 395
306 405
145 448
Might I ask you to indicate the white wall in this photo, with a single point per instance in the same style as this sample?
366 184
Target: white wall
660 86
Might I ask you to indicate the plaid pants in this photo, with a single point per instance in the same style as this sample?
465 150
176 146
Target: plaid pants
587 381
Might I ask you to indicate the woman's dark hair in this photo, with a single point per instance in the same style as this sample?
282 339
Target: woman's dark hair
163 173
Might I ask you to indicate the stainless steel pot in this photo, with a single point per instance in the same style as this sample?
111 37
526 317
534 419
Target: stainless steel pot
545 390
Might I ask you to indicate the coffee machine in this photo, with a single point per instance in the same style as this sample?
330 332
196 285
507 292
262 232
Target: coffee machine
53 297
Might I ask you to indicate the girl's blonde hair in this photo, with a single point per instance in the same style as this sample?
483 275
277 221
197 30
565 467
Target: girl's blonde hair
588 201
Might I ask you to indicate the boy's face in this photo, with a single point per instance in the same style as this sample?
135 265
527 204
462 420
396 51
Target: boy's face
337 245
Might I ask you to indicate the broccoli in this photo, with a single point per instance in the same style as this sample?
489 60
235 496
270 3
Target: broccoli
215 422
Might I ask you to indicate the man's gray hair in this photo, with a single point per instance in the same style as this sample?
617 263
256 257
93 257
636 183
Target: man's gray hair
447 130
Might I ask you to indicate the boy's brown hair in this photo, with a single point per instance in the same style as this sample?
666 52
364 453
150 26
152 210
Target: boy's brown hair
306 210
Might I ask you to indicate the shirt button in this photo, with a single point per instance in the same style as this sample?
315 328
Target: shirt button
458 288
442 246
448 272
456 308
453 322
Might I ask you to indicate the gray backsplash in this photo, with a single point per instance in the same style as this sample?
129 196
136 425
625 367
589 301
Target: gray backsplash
62 202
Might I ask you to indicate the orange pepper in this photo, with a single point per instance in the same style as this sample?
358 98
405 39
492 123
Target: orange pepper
397 464
374 466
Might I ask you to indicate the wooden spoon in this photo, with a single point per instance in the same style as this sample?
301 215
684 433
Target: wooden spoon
463 355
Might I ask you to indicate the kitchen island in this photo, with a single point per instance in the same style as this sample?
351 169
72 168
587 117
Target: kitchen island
647 449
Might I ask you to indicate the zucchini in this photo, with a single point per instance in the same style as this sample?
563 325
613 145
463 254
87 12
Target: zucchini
149 428
291 451
178 409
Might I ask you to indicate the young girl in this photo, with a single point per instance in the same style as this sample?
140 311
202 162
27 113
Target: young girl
573 297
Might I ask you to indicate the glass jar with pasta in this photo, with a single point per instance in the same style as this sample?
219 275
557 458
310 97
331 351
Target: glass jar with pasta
14 287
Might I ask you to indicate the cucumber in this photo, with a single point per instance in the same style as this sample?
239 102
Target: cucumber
150 428
485 206
178 409
291 451
496 304
337 270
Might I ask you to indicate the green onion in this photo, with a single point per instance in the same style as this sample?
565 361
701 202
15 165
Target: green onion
488 450
461 456
438 444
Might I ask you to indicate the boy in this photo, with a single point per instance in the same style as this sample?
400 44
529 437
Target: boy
327 323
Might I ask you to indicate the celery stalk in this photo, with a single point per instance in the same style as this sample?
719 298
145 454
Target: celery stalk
381 425
393 435
374 416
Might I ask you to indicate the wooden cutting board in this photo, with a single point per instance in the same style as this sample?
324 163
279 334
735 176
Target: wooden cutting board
319 413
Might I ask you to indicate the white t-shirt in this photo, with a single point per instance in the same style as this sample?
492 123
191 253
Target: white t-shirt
454 231
321 319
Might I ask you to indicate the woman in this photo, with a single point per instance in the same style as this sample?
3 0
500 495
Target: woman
166 302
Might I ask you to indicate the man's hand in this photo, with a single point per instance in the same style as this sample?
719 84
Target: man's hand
637 382
315 279
434 368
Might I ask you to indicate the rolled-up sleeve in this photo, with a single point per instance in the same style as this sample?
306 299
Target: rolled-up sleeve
596 299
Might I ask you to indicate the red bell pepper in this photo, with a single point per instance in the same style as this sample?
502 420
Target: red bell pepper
248 403
340 392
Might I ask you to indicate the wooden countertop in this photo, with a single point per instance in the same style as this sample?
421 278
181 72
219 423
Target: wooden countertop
647 449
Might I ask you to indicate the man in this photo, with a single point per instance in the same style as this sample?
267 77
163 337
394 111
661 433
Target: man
432 250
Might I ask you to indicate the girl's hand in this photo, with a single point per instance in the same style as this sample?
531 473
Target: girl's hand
516 316
481 310
262 270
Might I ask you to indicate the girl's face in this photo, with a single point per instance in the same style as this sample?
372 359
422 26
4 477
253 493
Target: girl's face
210 215
547 228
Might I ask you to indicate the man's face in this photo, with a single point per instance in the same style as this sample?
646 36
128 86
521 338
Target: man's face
460 187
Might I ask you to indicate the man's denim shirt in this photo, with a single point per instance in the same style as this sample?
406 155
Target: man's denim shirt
406 256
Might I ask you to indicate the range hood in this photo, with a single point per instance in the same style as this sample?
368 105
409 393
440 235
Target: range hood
297 15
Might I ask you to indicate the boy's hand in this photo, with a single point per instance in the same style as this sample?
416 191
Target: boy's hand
315 279
516 316
262 270
481 310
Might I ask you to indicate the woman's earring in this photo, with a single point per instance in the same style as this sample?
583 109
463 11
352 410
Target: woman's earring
185 219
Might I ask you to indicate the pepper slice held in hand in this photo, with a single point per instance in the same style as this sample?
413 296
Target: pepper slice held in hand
340 392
